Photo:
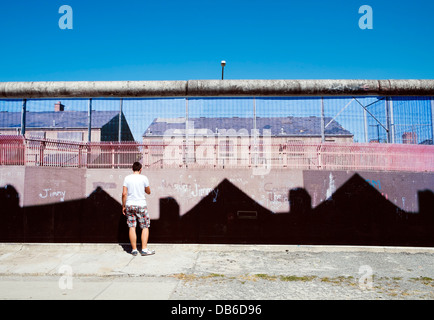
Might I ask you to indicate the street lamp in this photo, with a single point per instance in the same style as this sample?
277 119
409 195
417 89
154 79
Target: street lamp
223 63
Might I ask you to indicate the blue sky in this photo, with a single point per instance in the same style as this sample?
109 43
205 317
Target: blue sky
182 40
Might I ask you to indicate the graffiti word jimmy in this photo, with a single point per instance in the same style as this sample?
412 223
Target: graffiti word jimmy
48 193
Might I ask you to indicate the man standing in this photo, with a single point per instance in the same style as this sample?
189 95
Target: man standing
134 207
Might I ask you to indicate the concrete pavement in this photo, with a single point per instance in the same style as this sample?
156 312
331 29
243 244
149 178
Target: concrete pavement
202 271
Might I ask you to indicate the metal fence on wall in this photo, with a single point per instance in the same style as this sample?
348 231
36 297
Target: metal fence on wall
369 119
288 132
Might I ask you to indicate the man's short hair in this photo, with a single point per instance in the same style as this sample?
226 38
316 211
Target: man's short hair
137 166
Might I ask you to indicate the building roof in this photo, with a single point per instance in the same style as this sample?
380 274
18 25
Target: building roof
56 120
278 126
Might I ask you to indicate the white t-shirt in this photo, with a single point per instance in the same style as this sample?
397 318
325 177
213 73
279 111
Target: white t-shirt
136 184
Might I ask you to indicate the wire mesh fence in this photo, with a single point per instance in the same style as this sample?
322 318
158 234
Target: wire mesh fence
294 132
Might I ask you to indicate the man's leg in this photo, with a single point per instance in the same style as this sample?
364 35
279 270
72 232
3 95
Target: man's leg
145 237
145 223
133 237
131 222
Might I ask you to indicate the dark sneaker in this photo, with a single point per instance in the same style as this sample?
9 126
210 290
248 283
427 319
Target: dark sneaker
134 252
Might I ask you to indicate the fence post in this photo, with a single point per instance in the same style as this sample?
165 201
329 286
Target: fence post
89 121
322 121
389 121
120 121
88 155
23 117
319 156
432 120
146 161
80 149
365 123
113 156
41 152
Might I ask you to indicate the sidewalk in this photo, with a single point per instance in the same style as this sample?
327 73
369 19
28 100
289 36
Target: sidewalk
198 271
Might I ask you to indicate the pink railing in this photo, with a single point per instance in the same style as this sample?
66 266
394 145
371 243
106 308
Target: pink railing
17 150
12 150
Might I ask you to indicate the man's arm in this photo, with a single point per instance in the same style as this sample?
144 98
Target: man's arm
148 190
124 199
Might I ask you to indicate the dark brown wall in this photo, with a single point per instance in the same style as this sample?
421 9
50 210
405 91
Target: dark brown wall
43 204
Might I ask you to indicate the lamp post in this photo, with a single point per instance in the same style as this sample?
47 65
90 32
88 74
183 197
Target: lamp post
223 63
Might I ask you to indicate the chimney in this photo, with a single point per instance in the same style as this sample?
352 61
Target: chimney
409 138
58 106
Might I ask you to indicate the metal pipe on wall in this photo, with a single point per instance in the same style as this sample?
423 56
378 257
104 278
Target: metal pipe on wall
216 88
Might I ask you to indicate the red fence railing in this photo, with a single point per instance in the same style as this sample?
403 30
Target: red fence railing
225 153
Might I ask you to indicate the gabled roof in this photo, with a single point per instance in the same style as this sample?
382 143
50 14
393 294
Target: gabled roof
278 126
59 119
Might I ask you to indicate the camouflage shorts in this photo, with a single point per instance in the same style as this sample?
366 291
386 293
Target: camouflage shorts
139 213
